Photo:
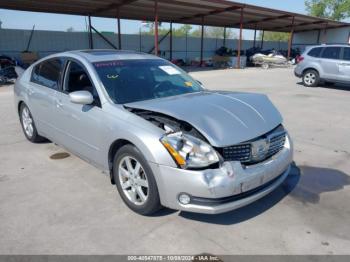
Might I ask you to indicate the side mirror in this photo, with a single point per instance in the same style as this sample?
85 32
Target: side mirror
81 97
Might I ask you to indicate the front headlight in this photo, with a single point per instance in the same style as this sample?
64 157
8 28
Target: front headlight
189 151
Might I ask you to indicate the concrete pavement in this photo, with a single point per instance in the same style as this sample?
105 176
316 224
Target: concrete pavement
68 207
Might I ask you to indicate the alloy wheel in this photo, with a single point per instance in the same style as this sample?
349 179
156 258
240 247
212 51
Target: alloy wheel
27 122
133 180
310 79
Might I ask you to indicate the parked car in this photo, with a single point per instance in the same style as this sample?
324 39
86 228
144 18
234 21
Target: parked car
324 63
163 138
7 69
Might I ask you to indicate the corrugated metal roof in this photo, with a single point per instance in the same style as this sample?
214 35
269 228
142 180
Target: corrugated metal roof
214 12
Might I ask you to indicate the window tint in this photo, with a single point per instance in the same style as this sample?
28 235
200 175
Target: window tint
35 74
77 79
346 55
315 52
128 81
331 52
48 73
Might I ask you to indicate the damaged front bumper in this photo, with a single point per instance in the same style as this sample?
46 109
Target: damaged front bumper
229 187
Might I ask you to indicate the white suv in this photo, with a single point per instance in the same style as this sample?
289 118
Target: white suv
324 63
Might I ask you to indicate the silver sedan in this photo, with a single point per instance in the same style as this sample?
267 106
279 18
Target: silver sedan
163 138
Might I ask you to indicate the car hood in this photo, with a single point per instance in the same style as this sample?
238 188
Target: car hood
224 118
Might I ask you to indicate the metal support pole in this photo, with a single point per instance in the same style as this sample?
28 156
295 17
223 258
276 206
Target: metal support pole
103 37
186 56
171 41
254 43
202 42
119 32
156 47
30 38
325 34
290 42
91 43
140 40
318 36
224 37
262 40
240 40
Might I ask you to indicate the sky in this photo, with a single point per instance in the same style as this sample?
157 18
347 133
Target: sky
26 20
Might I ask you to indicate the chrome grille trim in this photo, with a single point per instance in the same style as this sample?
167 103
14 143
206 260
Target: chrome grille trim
243 152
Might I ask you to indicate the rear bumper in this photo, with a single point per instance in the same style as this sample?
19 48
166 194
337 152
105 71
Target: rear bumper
298 72
212 191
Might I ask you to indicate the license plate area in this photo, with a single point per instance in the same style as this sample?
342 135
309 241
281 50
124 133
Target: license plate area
253 183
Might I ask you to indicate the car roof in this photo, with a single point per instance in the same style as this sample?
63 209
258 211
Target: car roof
328 45
99 55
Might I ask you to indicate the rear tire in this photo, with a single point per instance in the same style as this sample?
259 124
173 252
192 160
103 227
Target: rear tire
311 78
28 125
135 181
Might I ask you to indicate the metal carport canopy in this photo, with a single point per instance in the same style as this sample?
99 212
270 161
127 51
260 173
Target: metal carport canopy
221 13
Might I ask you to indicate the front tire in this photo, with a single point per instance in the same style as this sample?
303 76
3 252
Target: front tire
135 181
28 125
311 78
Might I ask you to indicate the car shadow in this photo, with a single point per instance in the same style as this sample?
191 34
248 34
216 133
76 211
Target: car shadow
193 69
45 141
304 184
315 180
164 212
342 87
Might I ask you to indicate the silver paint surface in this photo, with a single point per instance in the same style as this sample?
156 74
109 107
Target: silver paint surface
89 131
224 118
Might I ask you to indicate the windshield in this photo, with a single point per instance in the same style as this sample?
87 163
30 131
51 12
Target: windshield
129 81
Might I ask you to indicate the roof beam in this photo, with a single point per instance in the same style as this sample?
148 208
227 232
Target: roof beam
192 5
213 12
113 6
297 25
314 29
267 19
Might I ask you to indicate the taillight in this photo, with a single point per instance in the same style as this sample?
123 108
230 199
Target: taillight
299 59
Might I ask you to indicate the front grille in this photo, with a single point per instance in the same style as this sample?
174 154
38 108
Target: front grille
276 144
243 152
240 153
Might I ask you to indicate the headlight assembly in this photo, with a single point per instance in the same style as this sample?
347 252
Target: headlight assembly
189 151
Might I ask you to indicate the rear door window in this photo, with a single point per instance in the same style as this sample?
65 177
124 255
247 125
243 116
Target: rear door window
331 52
315 52
48 73
346 55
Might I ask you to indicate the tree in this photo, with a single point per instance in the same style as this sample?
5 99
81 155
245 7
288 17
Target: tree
211 32
70 29
218 32
182 31
332 9
274 36
214 32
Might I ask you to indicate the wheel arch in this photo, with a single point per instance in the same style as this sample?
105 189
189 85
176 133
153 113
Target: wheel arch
113 149
20 103
311 68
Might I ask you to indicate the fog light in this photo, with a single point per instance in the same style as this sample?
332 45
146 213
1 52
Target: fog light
184 199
